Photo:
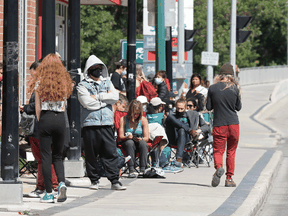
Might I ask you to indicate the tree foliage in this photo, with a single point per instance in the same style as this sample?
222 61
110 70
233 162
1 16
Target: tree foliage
265 46
102 27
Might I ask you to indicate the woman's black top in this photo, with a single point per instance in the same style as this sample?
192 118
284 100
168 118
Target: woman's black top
198 97
225 102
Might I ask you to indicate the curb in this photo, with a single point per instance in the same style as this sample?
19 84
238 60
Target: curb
256 197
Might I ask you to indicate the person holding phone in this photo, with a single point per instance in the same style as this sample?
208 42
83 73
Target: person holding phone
134 131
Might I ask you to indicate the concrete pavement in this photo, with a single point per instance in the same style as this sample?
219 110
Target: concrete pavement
186 193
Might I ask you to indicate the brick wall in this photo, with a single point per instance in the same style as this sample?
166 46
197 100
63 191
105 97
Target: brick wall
31 38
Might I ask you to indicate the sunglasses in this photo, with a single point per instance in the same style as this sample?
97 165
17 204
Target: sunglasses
190 106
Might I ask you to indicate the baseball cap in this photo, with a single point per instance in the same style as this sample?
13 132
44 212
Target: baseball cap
122 62
142 99
156 101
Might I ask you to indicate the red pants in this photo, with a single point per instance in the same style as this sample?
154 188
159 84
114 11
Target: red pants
34 143
221 135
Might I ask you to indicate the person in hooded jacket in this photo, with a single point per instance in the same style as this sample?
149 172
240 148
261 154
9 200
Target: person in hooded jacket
161 86
97 94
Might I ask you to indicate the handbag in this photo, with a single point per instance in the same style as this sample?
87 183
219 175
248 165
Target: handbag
27 123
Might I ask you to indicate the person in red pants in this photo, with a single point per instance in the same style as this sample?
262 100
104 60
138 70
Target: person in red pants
224 97
34 143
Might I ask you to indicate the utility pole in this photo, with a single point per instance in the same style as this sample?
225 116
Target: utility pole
169 65
74 167
160 35
48 27
233 35
131 51
10 186
181 32
209 69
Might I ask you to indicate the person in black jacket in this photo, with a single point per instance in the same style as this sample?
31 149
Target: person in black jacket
35 147
224 98
181 125
160 84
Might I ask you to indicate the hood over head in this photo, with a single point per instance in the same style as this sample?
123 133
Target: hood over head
93 60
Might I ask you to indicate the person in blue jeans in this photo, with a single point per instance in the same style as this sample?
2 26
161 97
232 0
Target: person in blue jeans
180 126
133 130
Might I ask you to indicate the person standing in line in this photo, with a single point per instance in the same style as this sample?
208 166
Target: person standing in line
53 86
35 147
162 89
224 97
116 77
97 94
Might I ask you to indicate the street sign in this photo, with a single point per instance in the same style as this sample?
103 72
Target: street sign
210 58
139 50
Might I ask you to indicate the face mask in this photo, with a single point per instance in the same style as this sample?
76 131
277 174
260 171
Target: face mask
158 81
123 73
97 72
180 114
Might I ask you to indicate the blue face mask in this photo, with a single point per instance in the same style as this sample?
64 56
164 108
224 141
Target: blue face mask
123 73
158 81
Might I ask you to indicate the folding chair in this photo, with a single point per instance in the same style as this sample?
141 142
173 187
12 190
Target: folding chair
27 163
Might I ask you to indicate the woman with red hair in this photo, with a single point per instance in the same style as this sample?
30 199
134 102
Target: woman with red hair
53 86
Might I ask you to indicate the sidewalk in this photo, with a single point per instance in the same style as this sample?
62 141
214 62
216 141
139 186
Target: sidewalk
186 193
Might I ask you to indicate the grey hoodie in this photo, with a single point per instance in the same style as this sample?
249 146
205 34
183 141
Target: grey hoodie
96 111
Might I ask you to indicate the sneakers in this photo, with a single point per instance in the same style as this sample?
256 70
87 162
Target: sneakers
36 193
216 177
47 198
118 186
172 169
230 183
133 174
62 189
177 164
94 186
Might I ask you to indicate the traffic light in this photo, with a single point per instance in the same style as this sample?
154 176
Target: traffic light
242 22
189 35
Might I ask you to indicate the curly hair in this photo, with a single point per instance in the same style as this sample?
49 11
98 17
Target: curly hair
55 83
133 106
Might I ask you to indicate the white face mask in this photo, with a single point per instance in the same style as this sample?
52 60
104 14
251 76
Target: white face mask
123 73
158 80
144 108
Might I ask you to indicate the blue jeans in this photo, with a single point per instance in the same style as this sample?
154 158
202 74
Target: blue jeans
177 133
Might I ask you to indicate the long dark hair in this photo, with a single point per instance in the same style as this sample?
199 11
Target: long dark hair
199 77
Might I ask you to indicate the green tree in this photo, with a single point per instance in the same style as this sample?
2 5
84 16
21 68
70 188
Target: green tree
102 27
265 46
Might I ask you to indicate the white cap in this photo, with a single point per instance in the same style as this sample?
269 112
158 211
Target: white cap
156 101
142 99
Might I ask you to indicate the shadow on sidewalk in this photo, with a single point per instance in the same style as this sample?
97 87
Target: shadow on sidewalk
183 183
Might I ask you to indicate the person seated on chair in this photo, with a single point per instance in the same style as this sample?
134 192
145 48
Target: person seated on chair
155 117
183 124
133 130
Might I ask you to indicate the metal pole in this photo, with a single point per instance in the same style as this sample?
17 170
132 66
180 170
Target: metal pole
74 63
48 27
181 32
209 69
131 51
10 133
287 30
160 35
233 35
169 66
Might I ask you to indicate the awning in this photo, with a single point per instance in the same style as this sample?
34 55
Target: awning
105 2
